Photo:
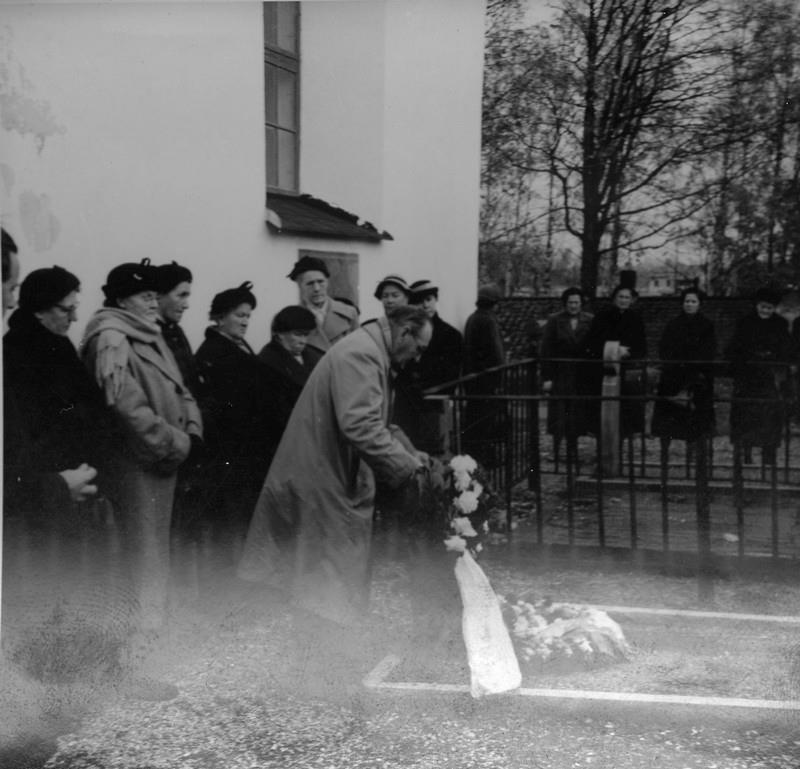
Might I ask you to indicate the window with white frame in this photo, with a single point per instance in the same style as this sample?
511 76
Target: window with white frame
282 87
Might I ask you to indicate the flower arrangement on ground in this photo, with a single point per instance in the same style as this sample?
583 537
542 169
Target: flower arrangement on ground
546 631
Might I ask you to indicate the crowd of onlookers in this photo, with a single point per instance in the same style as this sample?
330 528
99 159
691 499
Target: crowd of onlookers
761 359
176 444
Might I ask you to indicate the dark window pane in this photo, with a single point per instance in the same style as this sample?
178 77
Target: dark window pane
287 27
280 26
270 94
286 91
272 157
287 160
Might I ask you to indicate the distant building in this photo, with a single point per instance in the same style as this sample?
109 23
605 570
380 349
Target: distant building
669 280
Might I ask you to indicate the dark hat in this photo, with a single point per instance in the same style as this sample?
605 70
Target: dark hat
170 275
45 288
307 264
294 318
392 280
231 298
129 279
764 294
489 292
422 288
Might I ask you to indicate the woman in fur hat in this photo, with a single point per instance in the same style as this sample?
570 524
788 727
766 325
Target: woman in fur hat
240 435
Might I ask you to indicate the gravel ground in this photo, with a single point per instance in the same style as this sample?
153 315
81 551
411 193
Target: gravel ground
249 699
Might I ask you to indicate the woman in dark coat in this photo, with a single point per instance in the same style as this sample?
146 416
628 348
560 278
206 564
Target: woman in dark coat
57 435
240 438
688 337
56 422
761 339
483 424
619 323
421 420
289 361
564 337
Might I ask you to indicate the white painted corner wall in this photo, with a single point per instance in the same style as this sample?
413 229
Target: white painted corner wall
133 130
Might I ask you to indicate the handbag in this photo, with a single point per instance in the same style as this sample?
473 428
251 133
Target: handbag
493 665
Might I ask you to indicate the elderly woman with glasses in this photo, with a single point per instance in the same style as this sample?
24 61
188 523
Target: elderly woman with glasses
57 435
57 425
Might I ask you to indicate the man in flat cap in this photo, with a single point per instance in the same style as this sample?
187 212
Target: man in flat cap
335 319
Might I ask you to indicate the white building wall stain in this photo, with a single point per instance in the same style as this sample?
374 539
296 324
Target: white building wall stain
20 111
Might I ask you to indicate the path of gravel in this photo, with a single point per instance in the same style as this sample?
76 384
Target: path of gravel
238 708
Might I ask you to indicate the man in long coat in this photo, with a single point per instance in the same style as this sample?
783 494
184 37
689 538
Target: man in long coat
314 515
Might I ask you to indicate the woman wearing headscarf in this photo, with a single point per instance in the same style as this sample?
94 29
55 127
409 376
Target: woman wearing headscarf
563 337
125 351
619 323
759 353
240 439
685 407
289 361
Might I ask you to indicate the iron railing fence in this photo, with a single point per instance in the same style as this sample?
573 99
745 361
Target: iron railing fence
706 497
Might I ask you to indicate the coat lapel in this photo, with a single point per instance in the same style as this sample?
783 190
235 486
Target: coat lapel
160 356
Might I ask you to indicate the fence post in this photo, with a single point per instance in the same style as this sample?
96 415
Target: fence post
705 571
610 454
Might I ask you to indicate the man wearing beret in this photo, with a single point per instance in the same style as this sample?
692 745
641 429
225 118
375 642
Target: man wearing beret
334 319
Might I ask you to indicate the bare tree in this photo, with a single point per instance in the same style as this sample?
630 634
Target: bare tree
613 113
753 171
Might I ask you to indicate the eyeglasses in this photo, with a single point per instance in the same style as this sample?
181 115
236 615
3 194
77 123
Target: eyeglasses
67 309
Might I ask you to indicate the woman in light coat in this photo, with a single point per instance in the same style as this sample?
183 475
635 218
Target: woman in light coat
124 349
